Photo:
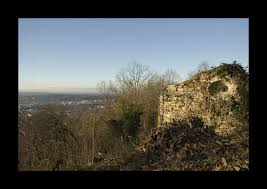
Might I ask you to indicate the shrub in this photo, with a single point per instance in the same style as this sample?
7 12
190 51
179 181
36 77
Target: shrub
49 139
131 120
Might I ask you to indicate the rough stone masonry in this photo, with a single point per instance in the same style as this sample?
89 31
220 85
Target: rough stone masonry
209 95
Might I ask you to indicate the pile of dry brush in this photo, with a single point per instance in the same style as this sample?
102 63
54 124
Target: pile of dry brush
186 146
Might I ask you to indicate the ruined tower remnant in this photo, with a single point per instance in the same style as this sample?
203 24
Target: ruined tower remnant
211 95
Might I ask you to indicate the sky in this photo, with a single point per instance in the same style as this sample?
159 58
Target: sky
73 55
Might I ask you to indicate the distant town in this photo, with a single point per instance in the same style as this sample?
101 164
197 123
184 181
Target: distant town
30 103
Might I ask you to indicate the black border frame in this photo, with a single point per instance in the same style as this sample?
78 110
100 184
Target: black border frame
252 120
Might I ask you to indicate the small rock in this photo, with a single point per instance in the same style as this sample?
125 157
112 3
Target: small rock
224 162
237 168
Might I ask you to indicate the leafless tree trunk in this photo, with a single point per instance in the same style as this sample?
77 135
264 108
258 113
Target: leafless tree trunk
93 146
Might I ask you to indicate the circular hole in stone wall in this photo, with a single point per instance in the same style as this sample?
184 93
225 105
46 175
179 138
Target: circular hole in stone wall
217 87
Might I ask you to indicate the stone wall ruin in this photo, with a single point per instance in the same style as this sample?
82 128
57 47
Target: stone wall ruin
209 95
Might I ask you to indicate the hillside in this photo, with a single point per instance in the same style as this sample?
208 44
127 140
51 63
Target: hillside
203 126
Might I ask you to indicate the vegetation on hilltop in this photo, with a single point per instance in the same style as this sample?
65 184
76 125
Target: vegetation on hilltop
123 134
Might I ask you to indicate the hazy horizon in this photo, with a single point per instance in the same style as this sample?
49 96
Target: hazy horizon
73 55
62 91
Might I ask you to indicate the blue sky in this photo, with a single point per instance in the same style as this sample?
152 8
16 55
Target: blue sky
75 54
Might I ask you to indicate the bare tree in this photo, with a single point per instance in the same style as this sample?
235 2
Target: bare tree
108 90
133 77
201 67
171 76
